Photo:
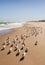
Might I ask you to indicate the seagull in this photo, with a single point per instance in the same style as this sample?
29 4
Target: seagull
11 45
4 43
3 47
18 53
23 43
24 54
17 38
7 39
16 47
14 41
19 41
22 36
26 50
9 50
22 47
36 43
8 42
16 35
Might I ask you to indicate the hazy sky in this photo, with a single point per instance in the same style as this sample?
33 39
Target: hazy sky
22 9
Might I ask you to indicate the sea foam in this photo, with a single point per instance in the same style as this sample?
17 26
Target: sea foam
10 25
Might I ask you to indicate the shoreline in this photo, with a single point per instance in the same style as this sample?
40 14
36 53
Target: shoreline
11 25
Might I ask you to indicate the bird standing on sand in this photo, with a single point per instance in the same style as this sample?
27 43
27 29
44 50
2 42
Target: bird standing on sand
4 43
8 43
17 38
22 47
36 43
24 54
19 41
4 46
11 47
14 41
23 43
17 54
22 36
26 50
16 47
7 38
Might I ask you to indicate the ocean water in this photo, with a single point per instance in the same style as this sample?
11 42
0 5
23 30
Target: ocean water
2 32
5 28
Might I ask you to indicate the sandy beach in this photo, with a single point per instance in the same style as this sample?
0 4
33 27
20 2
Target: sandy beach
33 35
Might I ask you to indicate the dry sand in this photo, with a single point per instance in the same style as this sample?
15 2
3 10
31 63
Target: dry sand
35 43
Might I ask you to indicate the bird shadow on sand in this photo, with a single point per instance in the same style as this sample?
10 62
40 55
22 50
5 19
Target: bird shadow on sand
2 49
22 58
8 52
17 54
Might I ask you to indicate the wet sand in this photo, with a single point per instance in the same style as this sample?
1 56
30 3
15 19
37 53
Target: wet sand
34 38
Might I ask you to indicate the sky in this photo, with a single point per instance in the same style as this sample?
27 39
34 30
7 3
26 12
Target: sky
22 10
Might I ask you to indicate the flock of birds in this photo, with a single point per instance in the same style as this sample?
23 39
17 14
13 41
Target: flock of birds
15 44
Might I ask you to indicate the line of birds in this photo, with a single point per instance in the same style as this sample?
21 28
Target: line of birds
34 30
